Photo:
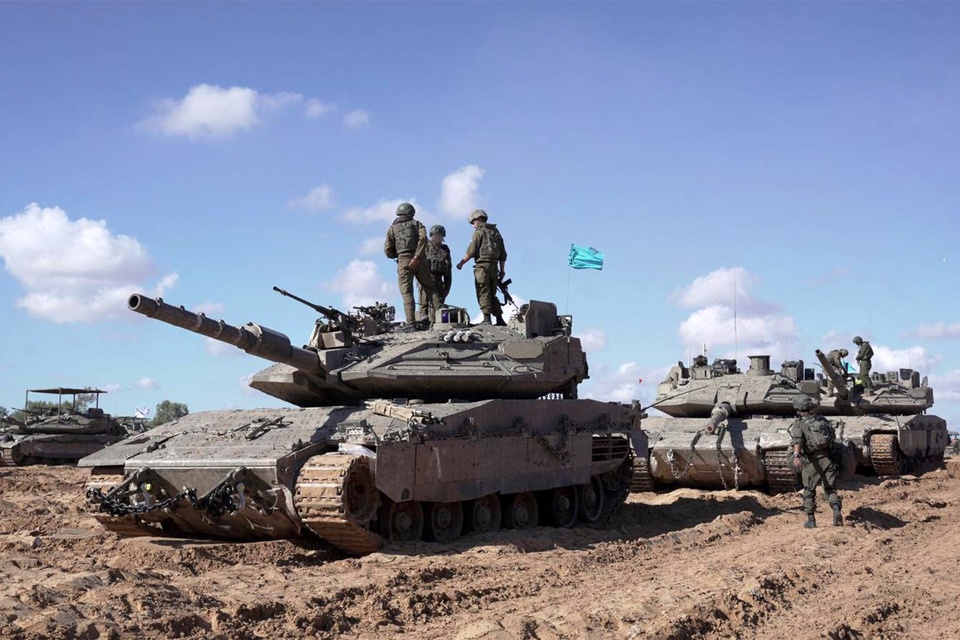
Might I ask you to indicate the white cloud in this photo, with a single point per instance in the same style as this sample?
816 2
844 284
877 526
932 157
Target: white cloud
458 191
244 384
315 109
946 387
360 283
887 359
753 325
208 308
592 339
113 387
74 271
370 246
146 383
356 119
319 199
937 331
628 382
219 349
211 111
383 211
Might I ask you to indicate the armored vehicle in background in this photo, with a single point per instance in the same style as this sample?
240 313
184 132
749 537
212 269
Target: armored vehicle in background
728 429
58 435
399 435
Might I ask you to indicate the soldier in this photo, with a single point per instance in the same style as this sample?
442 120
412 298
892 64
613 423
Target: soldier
407 242
835 358
813 439
864 359
440 265
487 248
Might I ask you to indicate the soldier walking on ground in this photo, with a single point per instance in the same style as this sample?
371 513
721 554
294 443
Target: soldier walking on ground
865 360
488 250
440 265
813 439
407 243
835 358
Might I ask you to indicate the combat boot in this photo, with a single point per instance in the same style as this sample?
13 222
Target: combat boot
486 319
811 522
500 322
837 516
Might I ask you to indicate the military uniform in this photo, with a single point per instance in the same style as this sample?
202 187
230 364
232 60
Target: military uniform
865 360
489 253
440 265
835 358
407 242
815 437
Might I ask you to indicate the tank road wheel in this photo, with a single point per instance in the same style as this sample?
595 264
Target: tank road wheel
561 506
591 500
401 521
520 511
483 514
336 498
442 521
885 454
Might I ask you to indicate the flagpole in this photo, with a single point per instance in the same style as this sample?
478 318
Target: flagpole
567 307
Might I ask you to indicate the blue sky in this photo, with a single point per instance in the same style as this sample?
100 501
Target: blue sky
207 152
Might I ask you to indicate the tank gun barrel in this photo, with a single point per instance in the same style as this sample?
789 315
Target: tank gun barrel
835 376
252 338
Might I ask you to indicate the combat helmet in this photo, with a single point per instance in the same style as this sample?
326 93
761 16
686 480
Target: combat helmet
478 214
857 340
438 228
804 403
405 209
844 353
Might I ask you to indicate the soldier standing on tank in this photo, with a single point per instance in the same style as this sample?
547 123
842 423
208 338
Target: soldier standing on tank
407 243
488 250
835 358
865 360
440 264
813 437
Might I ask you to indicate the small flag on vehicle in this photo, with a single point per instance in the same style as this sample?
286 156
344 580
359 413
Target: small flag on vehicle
585 258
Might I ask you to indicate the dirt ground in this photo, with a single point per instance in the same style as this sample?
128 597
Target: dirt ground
684 564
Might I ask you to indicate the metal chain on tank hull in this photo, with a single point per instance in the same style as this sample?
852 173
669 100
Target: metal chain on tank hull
330 507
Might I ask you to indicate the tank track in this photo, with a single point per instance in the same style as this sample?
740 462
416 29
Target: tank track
7 458
781 475
885 454
642 478
321 498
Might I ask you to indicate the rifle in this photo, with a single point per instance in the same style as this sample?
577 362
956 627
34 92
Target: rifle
502 286
344 320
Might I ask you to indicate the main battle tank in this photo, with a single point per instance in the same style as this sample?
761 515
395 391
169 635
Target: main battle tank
728 429
57 436
398 435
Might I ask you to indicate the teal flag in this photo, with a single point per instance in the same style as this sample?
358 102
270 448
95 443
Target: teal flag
585 258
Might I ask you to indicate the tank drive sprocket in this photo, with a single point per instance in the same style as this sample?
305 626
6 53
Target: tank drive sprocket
885 454
781 475
337 498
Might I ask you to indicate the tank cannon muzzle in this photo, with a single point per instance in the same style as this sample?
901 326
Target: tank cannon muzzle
252 338
839 381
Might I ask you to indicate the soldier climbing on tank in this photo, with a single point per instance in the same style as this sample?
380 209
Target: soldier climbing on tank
407 243
441 267
813 438
490 255
864 359
835 358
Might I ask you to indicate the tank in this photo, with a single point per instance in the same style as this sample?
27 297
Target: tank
57 436
729 429
394 436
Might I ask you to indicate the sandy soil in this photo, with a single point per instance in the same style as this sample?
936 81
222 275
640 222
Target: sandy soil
685 564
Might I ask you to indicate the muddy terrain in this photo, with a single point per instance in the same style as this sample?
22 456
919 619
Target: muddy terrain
685 564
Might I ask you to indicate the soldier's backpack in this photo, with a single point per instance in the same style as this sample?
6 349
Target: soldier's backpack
406 235
491 247
820 434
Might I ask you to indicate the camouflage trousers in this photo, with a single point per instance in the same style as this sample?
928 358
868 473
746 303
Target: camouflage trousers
819 470
405 280
865 366
425 297
485 277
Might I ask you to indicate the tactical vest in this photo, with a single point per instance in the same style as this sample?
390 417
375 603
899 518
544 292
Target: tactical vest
438 258
491 244
406 235
866 351
819 435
